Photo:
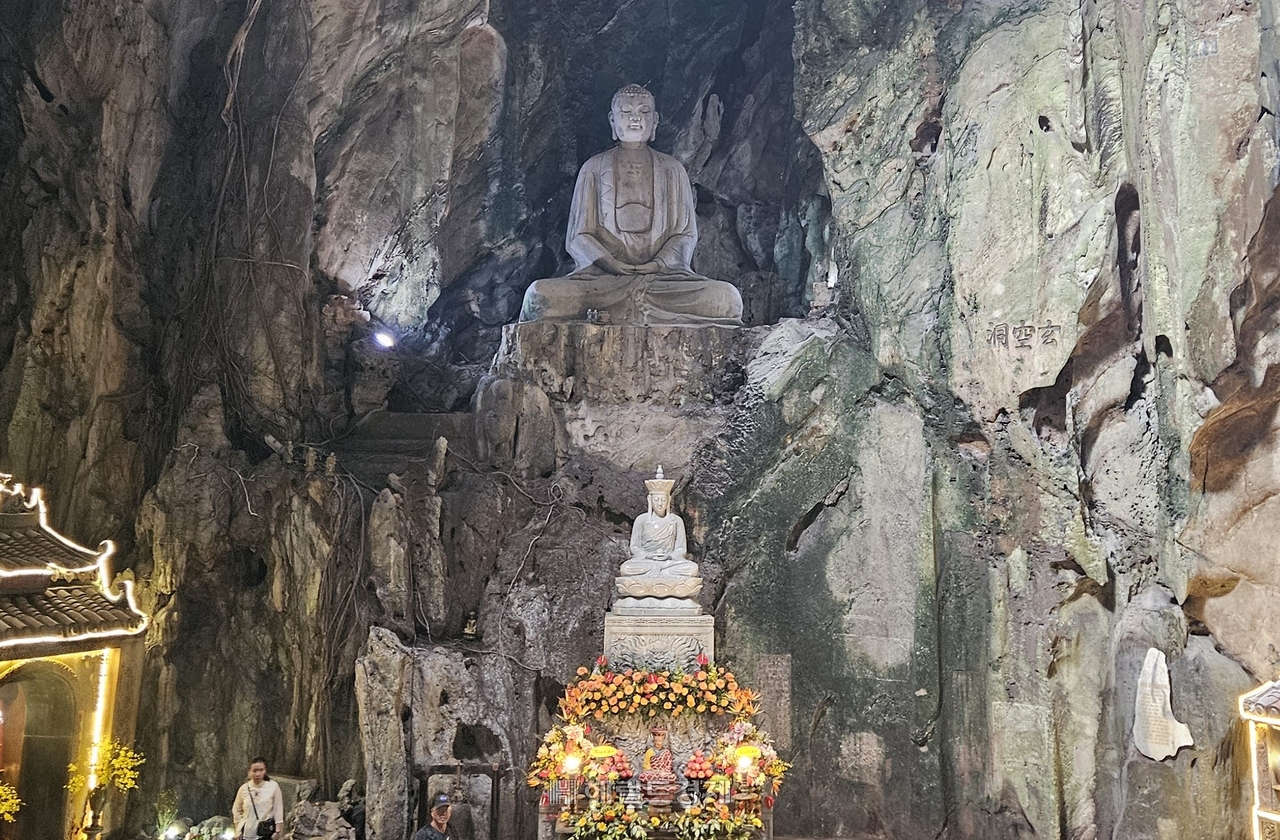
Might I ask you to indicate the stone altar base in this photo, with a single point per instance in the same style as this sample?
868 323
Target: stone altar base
655 642
663 365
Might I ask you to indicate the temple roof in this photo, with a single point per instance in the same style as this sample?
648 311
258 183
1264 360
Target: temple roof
1263 701
26 544
55 595
65 612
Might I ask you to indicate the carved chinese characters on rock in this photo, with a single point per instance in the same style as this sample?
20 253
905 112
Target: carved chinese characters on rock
1022 336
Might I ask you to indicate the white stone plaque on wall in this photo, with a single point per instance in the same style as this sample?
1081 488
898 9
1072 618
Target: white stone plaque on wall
1156 732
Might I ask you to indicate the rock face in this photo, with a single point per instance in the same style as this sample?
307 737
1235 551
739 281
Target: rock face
1003 420
324 820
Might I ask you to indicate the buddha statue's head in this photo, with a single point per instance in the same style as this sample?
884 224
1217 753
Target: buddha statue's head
633 115
659 489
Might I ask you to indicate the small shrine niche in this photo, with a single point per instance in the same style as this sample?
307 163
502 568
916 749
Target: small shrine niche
657 739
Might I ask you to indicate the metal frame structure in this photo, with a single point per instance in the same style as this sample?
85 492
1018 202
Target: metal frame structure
495 772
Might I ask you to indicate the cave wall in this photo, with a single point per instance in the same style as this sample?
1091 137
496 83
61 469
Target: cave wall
210 208
1026 431
1049 217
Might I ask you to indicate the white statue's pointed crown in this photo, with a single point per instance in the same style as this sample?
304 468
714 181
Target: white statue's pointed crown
658 484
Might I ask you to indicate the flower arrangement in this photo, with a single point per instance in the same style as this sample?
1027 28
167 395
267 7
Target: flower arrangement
561 743
715 821
747 756
607 821
711 820
710 689
117 767
9 802
737 774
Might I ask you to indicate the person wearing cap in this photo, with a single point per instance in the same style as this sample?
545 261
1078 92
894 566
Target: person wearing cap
438 828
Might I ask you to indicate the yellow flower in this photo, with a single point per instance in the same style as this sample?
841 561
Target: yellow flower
9 802
117 767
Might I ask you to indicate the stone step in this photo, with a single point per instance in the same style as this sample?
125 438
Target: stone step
402 430
402 443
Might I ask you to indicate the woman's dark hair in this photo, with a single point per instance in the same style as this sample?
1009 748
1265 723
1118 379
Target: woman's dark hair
260 760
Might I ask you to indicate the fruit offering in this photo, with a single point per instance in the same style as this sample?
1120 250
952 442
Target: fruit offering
621 765
699 767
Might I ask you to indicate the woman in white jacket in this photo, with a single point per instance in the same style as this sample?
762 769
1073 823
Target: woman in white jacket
258 801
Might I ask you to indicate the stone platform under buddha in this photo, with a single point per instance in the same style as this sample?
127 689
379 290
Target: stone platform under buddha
658 641
663 364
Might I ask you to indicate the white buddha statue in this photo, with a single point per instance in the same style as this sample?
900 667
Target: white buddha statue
659 576
631 234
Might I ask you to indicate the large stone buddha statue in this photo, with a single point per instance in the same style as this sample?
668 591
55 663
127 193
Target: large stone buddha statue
659 577
631 233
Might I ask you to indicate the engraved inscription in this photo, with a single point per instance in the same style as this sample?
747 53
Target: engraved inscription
1156 732
1205 47
862 757
773 675
1022 336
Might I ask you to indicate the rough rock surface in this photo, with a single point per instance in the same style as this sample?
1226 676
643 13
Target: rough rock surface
1004 420
324 820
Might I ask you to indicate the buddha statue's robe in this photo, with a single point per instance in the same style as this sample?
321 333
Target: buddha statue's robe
659 566
636 206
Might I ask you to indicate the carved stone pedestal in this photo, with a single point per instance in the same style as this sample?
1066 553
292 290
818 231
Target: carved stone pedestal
655 642
625 365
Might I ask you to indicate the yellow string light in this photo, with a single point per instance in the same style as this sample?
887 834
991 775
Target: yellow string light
101 566
99 716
